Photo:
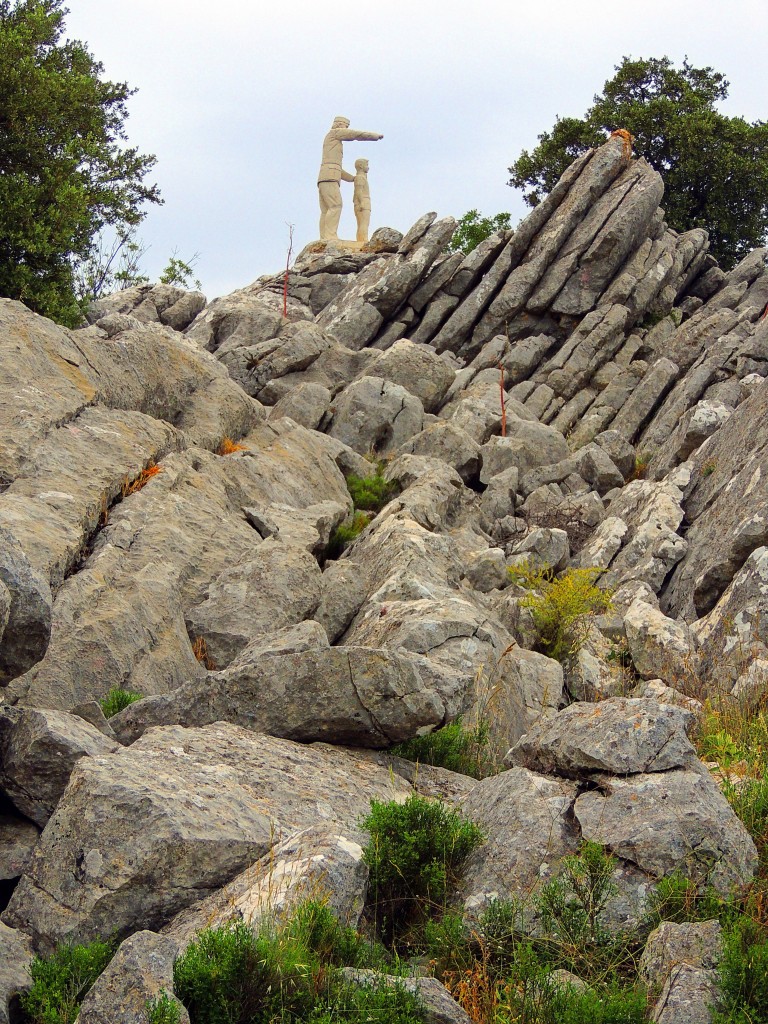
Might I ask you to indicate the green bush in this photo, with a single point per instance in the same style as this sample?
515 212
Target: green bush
571 903
371 493
564 607
117 699
61 981
677 898
285 974
414 855
454 747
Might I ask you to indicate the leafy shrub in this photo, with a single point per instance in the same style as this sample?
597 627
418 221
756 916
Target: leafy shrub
749 801
414 856
454 747
118 699
371 493
231 974
677 898
163 1010
61 981
563 609
571 903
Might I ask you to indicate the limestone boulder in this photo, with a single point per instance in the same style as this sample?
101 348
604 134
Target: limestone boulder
697 944
143 833
528 826
418 369
140 971
527 445
318 862
375 415
670 821
376 699
18 837
38 750
307 404
15 958
447 442
660 647
620 735
278 587
688 996
26 609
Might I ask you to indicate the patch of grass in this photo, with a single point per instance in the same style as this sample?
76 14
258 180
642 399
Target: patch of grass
61 981
344 534
642 461
455 747
132 486
371 493
562 607
117 699
743 975
677 898
414 857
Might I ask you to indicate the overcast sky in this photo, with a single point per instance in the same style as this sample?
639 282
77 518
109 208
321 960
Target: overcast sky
234 99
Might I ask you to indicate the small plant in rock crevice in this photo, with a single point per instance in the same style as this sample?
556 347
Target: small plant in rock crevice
163 1010
117 700
562 607
455 747
371 493
133 486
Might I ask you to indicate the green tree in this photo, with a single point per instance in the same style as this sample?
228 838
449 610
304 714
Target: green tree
64 173
472 229
715 168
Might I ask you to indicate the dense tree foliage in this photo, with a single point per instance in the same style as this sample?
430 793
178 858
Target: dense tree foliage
64 172
715 168
473 228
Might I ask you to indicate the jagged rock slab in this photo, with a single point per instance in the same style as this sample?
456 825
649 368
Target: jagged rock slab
143 833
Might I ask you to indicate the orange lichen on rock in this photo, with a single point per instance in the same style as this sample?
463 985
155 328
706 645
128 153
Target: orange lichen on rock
200 651
627 140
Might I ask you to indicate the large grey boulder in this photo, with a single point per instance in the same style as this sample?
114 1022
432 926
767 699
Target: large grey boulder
26 606
145 832
688 996
320 862
140 971
529 828
18 837
670 821
621 735
698 944
375 415
354 695
418 369
660 647
447 442
278 587
15 958
38 750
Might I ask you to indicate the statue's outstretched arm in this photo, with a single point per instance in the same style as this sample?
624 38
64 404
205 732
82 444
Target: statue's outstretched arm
350 135
346 176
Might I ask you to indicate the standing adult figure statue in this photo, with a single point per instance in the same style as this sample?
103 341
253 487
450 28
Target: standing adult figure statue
331 173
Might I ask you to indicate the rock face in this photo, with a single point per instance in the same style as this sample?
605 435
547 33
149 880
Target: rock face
587 391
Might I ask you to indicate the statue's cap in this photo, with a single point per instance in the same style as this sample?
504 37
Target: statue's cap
336 120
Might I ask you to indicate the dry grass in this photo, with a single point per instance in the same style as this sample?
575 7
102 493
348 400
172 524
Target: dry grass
200 651
228 447
132 486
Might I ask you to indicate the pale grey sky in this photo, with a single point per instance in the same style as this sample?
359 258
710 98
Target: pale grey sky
235 97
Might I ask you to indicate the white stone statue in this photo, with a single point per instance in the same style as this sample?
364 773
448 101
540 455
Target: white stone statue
331 173
362 200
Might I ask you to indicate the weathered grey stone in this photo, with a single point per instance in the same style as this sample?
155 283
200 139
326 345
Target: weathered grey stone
689 996
305 403
143 833
530 691
377 698
15 958
487 570
437 1006
38 750
527 445
27 604
319 862
139 972
660 647
635 412
621 735
670 821
5 607
18 837
447 442
697 944
544 548
499 499
620 451
416 368
375 415
278 587
526 818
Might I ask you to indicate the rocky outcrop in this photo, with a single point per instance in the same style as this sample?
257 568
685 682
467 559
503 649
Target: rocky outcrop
586 391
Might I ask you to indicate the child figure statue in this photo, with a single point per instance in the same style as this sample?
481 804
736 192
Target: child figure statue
361 200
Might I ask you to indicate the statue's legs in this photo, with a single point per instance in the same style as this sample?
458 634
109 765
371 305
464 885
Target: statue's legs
363 224
330 209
